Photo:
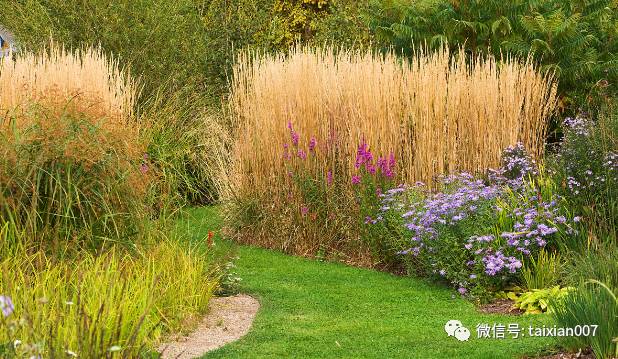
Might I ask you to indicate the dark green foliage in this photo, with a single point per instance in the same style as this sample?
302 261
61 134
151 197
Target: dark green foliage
161 41
576 39
272 25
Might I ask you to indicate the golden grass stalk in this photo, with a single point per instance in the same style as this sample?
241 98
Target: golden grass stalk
437 113
87 76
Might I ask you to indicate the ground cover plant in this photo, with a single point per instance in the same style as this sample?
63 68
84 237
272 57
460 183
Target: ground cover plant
326 136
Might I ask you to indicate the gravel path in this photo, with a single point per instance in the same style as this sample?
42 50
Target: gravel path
229 319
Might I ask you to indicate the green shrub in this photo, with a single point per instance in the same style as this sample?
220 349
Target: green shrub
586 169
274 25
539 301
575 39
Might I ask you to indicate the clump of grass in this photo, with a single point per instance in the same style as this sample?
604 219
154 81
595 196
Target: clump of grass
437 113
74 167
188 145
87 76
302 118
543 271
595 273
98 306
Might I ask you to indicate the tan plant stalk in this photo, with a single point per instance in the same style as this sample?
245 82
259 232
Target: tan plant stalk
437 112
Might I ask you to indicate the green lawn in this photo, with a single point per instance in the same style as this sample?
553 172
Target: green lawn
313 309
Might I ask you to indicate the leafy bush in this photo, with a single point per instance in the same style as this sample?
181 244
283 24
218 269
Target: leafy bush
274 25
574 39
541 300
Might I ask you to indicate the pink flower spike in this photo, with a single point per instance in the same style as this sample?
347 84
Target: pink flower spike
312 144
356 180
295 138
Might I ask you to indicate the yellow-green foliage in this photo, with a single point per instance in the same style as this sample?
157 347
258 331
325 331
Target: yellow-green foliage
299 18
95 303
539 301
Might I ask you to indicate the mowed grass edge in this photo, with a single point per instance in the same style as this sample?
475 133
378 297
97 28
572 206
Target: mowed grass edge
312 309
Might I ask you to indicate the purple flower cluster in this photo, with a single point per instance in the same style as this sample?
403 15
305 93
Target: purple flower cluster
534 224
473 231
293 134
578 125
447 208
497 262
365 159
517 165
588 169
6 305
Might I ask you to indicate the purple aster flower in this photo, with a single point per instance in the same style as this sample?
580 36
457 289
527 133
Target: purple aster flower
356 180
6 305
544 230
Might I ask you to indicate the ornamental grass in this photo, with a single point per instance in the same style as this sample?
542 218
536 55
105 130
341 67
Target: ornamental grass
311 112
